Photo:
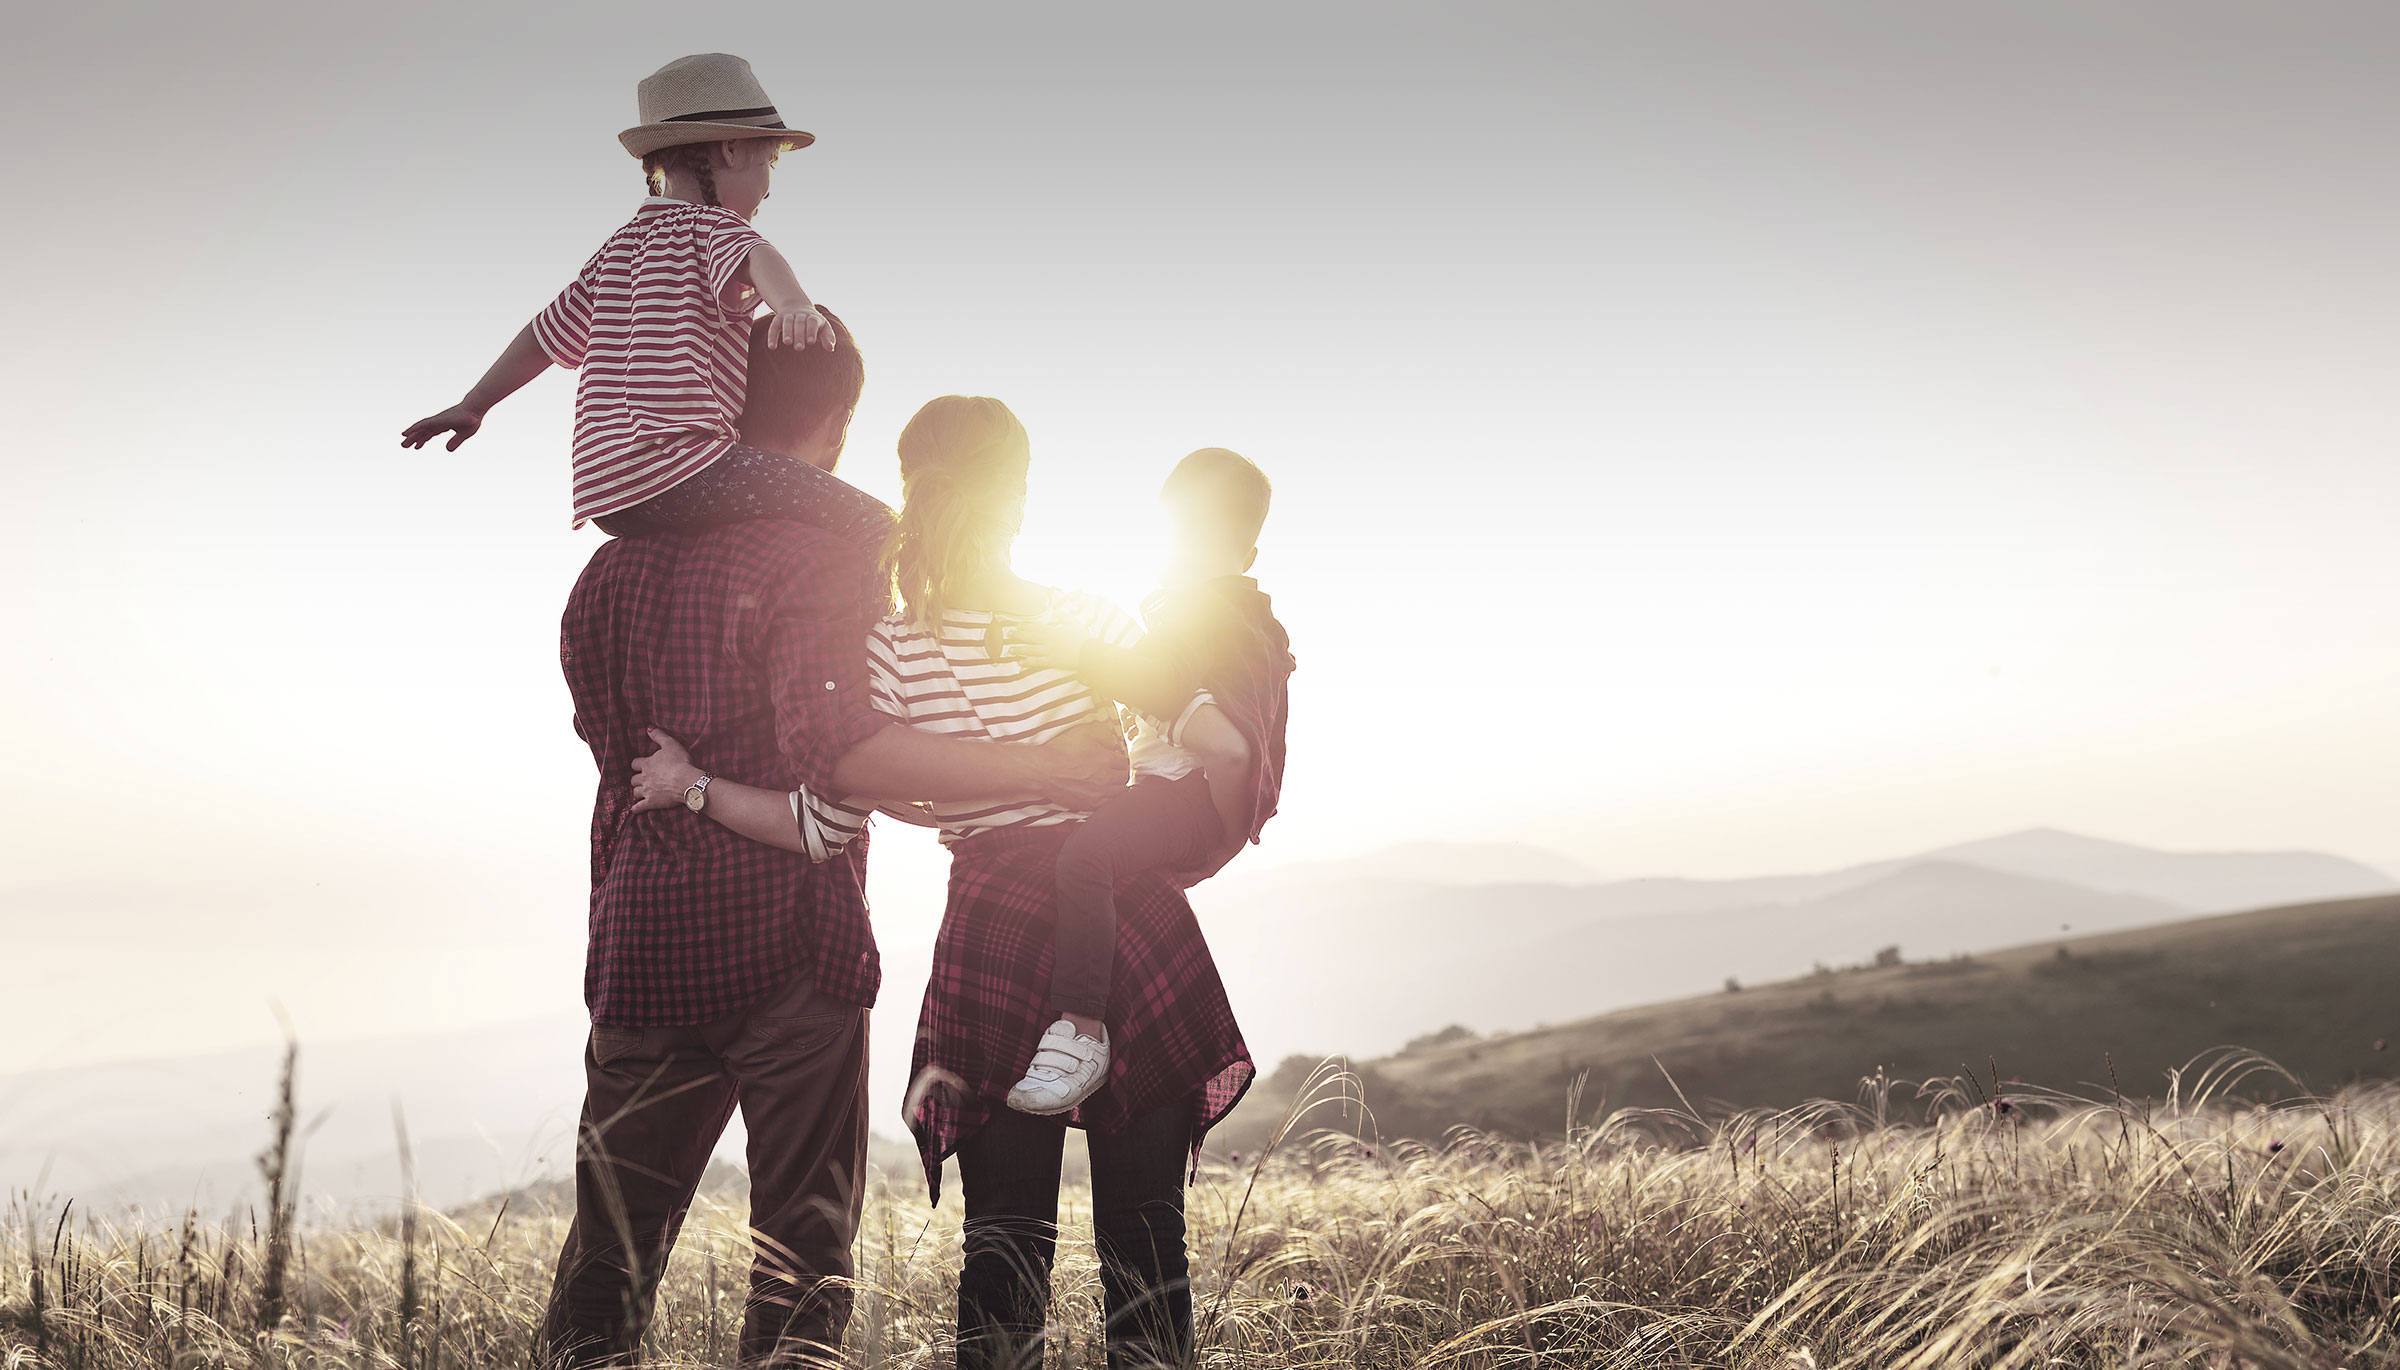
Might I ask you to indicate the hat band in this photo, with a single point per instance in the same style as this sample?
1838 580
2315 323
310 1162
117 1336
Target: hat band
730 116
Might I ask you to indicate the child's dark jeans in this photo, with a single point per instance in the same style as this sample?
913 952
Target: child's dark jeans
1156 825
752 483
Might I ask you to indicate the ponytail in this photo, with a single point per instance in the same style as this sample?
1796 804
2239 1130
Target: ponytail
962 485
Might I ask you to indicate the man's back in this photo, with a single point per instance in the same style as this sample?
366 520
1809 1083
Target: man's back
747 644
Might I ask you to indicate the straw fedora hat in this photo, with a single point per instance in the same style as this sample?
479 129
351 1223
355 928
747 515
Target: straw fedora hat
702 98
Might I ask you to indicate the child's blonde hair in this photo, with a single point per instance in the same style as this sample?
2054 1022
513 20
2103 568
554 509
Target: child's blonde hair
694 158
962 497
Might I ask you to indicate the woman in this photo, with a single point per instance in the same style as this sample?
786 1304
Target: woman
1178 1062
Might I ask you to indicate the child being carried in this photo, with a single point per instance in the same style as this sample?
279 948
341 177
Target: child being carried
1213 639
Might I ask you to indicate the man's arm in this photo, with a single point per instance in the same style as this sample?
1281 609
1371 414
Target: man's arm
518 363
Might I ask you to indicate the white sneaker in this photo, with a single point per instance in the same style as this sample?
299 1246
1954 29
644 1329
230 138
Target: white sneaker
1067 1069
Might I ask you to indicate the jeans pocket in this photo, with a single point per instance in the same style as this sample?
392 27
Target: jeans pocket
614 1043
805 1032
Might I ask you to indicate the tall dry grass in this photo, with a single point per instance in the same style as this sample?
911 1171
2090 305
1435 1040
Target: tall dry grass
1916 1229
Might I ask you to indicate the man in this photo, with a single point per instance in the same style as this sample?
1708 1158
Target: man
720 971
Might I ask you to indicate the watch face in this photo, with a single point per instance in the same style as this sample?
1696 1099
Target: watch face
695 797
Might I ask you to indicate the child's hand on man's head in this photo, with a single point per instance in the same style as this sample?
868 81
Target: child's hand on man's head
1047 645
800 328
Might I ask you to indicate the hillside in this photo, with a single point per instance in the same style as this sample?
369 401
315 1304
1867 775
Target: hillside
2309 986
1363 956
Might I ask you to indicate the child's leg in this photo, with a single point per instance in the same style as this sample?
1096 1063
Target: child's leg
1155 825
748 483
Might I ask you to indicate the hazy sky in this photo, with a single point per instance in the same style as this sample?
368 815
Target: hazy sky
1709 439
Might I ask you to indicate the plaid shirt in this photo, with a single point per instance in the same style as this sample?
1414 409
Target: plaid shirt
747 644
1171 1030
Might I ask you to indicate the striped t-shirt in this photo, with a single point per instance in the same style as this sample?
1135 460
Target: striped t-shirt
953 682
665 362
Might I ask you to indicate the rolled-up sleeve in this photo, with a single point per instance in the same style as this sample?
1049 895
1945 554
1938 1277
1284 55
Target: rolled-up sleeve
725 245
817 658
826 827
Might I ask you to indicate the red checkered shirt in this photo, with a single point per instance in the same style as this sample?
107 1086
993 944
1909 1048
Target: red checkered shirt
1172 1035
747 644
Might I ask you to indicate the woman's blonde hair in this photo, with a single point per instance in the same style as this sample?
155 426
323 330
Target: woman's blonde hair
962 498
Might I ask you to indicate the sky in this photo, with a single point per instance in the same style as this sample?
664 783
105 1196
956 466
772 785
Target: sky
1709 439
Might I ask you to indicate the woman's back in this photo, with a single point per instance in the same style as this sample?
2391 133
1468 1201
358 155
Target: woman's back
959 682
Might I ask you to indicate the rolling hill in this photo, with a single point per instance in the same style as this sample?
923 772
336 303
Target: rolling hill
2308 986
1358 956
1363 956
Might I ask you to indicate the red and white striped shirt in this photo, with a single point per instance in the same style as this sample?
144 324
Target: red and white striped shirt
945 680
665 361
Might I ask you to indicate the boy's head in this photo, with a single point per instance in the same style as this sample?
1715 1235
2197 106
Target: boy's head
1217 502
801 398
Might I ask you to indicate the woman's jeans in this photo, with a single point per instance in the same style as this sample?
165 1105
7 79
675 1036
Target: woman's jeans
1010 1172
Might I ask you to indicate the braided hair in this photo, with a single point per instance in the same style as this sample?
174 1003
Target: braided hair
692 157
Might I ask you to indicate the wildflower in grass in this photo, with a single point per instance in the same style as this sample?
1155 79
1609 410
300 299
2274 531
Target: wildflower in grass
2274 1144
1236 1158
2002 1105
2379 1044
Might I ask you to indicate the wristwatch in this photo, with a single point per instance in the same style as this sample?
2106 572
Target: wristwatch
696 798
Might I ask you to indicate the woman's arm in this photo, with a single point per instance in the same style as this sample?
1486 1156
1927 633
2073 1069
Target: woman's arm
893 765
898 765
1211 736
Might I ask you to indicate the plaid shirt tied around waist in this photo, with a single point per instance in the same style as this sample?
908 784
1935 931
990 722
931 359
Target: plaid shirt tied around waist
746 644
1171 1029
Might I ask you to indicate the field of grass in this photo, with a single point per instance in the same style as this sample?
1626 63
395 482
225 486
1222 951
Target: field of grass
2311 986
2020 1231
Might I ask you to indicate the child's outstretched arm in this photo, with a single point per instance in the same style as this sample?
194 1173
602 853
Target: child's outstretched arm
519 363
797 322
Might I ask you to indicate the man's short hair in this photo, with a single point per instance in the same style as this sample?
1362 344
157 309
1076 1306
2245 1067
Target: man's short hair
795 389
1227 486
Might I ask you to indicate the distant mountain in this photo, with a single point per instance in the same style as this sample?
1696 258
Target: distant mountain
2204 882
1379 971
1358 956
487 1109
1355 956
1449 863
2308 987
